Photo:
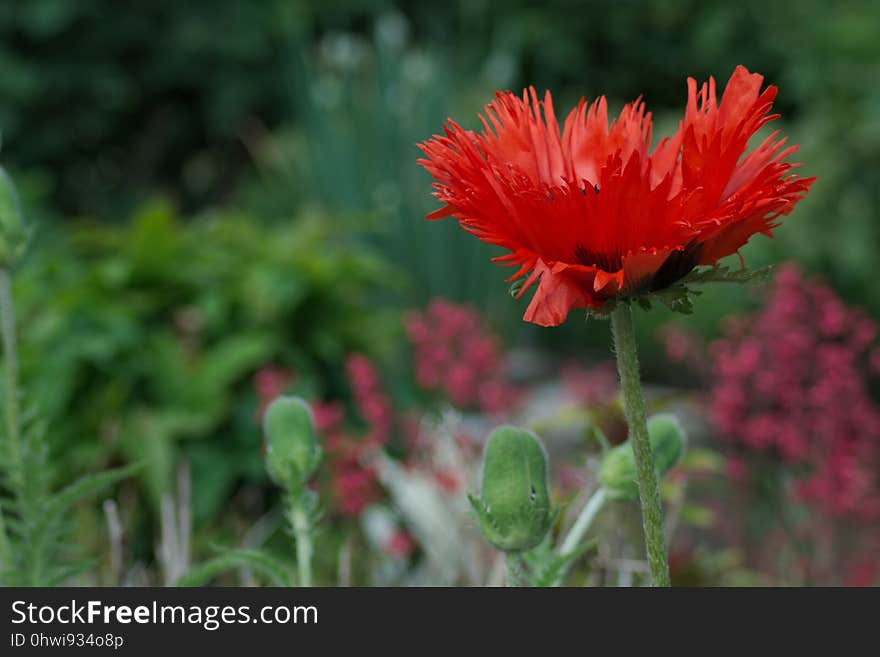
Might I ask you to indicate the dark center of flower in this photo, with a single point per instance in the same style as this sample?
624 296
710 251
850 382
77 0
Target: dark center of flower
677 265
607 261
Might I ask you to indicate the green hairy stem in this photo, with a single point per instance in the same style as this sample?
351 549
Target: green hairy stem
634 408
299 518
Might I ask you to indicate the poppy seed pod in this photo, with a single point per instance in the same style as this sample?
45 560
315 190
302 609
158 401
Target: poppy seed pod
514 503
292 449
618 470
13 232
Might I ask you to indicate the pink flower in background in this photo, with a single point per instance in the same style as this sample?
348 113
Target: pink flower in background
400 545
456 355
683 347
448 479
863 573
571 478
874 361
735 468
372 403
791 381
353 482
270 382
328 415
354 485
596 386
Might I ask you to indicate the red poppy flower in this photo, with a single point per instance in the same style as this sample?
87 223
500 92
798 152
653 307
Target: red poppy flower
593 213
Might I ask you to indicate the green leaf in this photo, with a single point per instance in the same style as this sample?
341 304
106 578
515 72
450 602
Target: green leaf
277 571
476 504
14 234
88 485
548 568
597 433
723 274
234 357
61 575
678 297
604 311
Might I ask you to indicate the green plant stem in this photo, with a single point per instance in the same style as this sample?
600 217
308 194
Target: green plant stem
10 369
299 519
5 550
582 524
515 575
10 393
634 408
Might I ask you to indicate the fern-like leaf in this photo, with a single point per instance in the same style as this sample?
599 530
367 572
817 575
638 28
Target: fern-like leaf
36 520
88 485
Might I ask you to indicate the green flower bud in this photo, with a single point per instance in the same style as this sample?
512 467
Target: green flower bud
13 232
667 441
514 505
618 470
292 449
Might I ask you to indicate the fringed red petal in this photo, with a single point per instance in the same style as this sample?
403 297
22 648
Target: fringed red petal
591 212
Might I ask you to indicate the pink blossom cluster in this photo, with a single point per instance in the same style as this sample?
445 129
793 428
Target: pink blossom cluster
683 347
792 381
270 382
592 387
400 545
372 403
353 484
456 355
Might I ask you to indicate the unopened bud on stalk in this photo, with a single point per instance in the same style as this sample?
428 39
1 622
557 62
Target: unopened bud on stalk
13 232
618 470
292 449
514 504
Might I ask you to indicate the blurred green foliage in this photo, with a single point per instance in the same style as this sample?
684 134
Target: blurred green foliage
364 97
137 339
284 103
110 99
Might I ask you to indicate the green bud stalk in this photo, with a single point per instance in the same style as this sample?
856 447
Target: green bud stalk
292 456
